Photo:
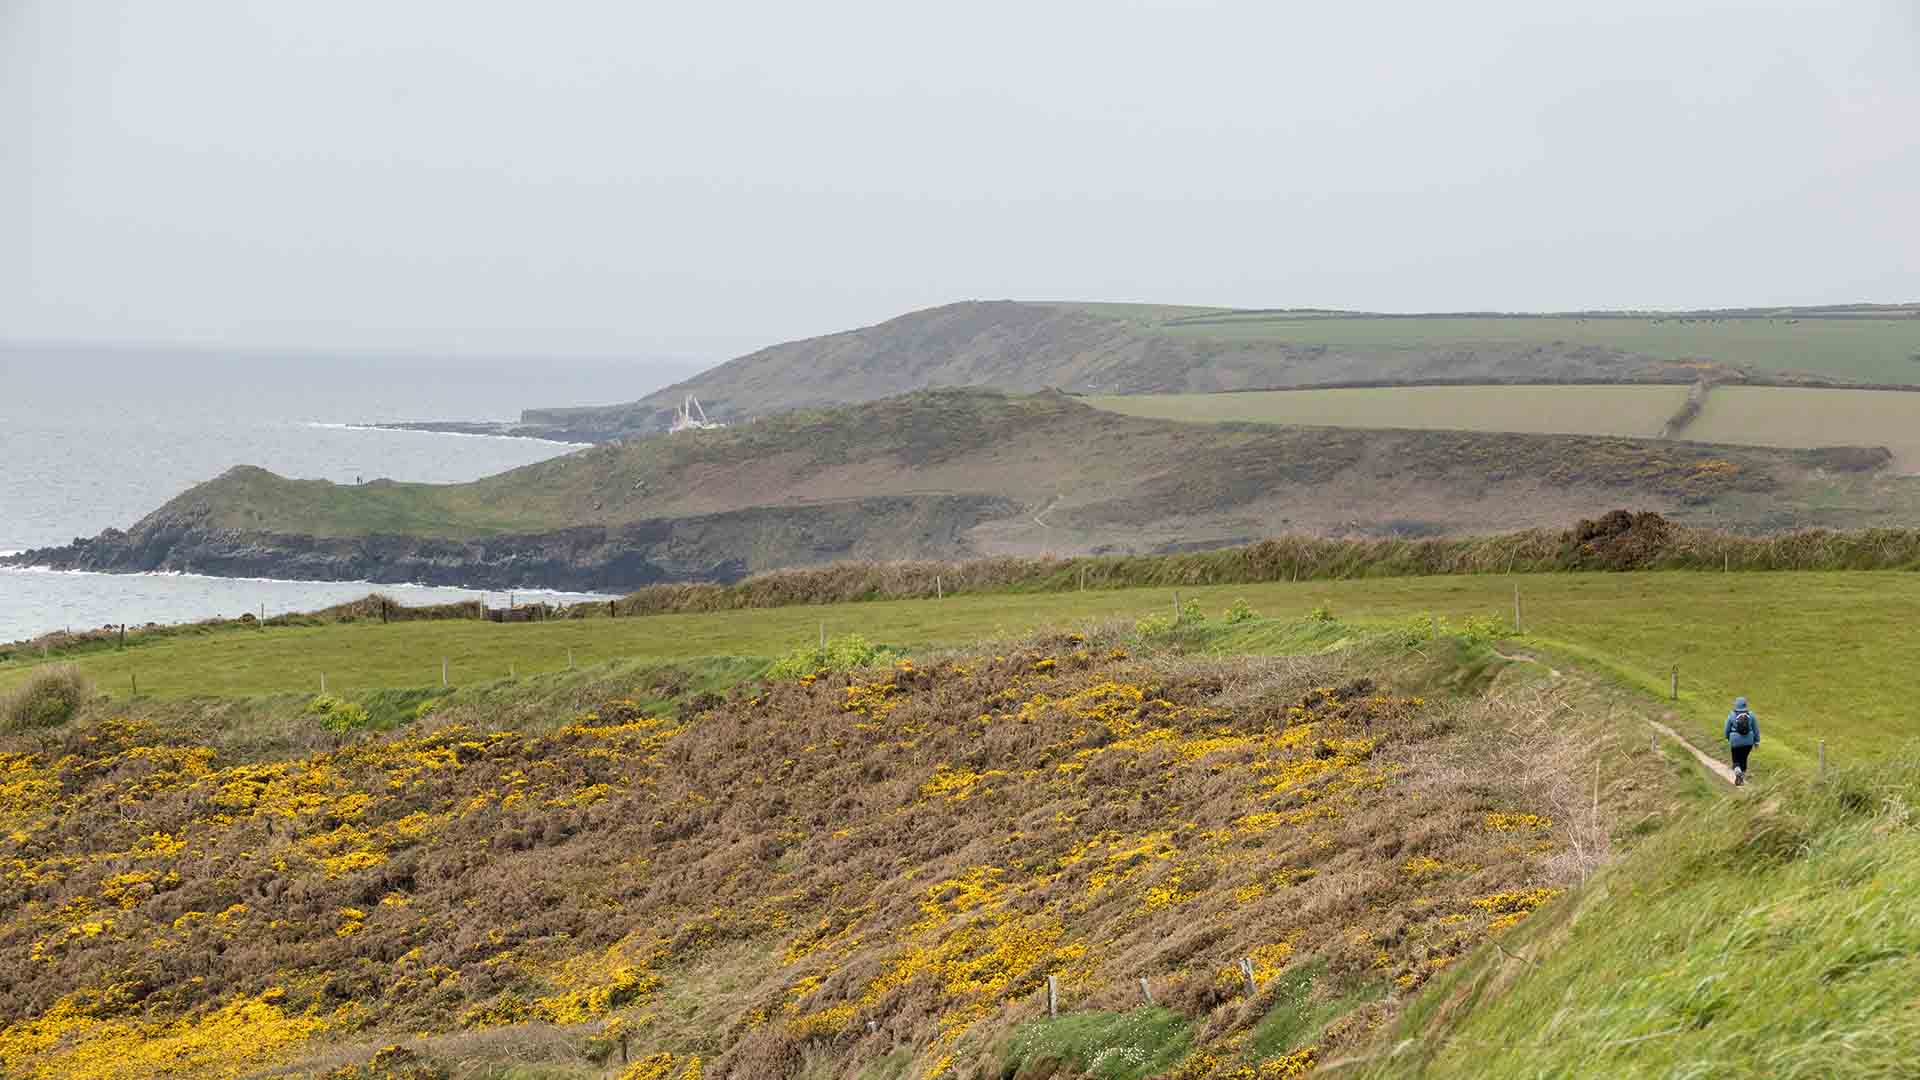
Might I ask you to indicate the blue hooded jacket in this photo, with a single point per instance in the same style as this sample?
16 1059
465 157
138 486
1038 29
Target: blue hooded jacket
1752 738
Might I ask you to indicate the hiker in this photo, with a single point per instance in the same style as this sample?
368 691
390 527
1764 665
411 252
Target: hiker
1743 734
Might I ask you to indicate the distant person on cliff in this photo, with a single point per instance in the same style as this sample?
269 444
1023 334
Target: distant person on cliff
1743 734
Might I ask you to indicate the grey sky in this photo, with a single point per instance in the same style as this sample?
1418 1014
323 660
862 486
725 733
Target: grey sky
605 177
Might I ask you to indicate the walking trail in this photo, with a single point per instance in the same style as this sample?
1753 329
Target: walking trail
1720 768
1717 767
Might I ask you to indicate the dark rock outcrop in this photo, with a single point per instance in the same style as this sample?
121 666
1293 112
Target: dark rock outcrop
721 547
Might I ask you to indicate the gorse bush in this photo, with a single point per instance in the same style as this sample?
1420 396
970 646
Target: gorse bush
1238 612
842 652
337 714
1485 629
49 698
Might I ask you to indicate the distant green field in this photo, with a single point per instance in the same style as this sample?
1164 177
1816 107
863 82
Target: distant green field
1548 410
1824 656
1777 416
1733 415
1863 349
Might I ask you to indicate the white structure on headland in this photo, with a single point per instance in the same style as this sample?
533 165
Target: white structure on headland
691 417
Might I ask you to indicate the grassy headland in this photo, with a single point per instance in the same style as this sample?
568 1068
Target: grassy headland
1158 349
959 474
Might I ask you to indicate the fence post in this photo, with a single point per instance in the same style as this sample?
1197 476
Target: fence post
443 671
1053 997
1246 969
939 589
1144 992
136 685
323 682
1176 607
1676 682
1516 608
1823 757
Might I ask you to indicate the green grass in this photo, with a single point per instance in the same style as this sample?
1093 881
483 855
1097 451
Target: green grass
1297 1016
1822 655
1631 411
1111 1046
1865 349
1775 937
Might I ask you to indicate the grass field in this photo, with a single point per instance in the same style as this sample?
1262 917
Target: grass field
1732 415
1823 656
1779 416
1635 411
1864 349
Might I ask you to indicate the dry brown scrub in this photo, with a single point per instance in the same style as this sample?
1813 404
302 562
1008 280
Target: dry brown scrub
803 873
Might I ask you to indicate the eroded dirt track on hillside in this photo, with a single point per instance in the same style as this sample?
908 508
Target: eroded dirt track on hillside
1720 769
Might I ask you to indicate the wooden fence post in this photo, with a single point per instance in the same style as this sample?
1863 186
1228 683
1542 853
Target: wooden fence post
1516 608
323 682
443 671
1246 969
1823 757
1053 997
939 589
1676 682
1144 991
136 685
1176 607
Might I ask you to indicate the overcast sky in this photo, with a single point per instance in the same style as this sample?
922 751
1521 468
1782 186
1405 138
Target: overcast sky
480 176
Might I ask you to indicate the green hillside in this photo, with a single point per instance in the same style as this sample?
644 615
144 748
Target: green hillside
1444 849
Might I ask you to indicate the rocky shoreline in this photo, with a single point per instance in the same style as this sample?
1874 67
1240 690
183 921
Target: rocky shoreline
722 548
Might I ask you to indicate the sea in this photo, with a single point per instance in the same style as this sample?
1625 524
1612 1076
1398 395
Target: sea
96 437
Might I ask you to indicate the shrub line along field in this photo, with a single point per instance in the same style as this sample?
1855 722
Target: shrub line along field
1768 636
1775 416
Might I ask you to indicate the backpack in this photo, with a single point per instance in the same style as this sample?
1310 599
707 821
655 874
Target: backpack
1743 724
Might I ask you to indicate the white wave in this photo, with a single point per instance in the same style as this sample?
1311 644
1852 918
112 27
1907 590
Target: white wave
516 591
448 434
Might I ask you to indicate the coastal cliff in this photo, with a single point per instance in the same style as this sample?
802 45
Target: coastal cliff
722 547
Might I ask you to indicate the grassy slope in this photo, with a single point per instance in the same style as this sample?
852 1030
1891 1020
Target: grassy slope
1823 656
1771 936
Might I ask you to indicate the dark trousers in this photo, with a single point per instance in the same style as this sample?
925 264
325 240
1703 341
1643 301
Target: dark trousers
1740 757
